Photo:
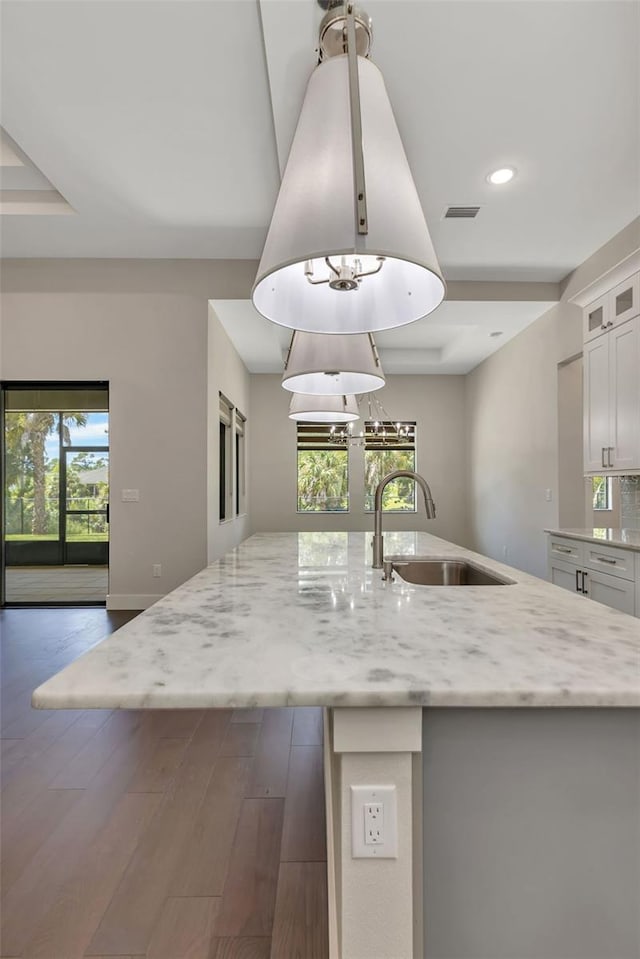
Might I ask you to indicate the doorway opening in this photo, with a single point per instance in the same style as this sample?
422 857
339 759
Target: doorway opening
55 480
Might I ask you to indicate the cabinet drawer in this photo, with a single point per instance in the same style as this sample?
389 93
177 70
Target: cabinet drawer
568 550
610 559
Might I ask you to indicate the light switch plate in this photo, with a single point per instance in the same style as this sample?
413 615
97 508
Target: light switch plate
130 495
363 798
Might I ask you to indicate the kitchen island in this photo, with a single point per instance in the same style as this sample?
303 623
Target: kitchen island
476 703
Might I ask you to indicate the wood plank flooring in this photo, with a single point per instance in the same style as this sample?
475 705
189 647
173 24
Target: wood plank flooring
166 834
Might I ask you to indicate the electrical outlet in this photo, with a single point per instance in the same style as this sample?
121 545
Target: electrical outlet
157 569
548 495
374 822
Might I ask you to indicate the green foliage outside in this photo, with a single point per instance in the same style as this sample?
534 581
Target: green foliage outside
323 481
399 495
33 481
600 489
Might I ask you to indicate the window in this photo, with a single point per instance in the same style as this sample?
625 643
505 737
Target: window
240 429
380 458
323 471
602 492
225 458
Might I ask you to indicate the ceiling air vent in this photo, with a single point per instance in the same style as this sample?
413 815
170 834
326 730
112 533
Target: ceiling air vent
461 212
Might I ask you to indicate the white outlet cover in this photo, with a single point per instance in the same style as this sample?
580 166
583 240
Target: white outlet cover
361 796
130 495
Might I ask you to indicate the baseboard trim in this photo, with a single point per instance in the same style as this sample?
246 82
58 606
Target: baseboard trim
132 600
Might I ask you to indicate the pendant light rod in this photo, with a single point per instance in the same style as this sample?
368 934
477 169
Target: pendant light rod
360 189
374 349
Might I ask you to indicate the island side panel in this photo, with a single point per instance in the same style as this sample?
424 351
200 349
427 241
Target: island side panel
531 833
376 913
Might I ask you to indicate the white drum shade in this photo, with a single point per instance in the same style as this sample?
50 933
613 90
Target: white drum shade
314 217
323 409
325 365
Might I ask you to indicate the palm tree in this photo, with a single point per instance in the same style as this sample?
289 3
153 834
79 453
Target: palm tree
26 437
322 479
399 494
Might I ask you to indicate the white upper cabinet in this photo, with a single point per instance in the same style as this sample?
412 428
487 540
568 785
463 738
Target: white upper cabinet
596 405
596 318
616 306
625 300
624 413
612 400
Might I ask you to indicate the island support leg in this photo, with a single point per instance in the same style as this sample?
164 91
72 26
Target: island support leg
375 904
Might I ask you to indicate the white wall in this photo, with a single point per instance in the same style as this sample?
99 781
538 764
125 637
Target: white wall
512 424
436 403
513 439
229 376
152 350
144 327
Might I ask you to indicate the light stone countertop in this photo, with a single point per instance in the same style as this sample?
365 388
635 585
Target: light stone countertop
627 538
302 619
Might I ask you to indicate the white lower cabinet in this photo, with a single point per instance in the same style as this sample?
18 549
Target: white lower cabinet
606 574
610 590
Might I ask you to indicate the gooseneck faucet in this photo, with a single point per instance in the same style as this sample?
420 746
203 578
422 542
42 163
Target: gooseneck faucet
430 506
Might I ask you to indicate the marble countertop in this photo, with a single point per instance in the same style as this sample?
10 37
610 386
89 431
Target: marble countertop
302 619
627 538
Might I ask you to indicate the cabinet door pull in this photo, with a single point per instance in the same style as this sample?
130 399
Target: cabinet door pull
584 584
609 452
603 559
604 465
562 549
578 587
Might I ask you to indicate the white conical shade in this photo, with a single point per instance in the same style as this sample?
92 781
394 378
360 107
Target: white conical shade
323 409
328 365
314 217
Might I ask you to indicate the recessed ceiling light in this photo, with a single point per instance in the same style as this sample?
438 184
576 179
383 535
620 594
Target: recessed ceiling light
498 177
496 333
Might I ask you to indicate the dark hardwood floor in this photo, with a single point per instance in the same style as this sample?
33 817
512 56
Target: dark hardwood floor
154 833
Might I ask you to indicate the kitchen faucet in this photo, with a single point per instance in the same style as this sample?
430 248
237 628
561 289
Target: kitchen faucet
377 532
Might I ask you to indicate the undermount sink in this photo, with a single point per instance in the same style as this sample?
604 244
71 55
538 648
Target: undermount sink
443 572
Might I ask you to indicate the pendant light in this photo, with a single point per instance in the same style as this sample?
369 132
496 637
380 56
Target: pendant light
324 365
348 249
323 409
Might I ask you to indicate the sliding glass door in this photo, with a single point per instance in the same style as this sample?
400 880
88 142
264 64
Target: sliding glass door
56 493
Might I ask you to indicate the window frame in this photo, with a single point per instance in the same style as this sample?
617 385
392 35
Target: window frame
240 468
225 474
371 446
318 440
608 480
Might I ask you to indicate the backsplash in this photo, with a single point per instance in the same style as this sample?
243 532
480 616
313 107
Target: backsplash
630 502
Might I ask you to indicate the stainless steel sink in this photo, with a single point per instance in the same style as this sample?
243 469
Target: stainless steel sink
443 572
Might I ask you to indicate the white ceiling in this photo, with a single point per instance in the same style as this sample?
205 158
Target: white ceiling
165 124
453 339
